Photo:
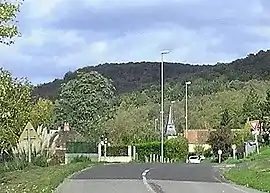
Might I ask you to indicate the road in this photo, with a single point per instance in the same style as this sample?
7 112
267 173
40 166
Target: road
153 178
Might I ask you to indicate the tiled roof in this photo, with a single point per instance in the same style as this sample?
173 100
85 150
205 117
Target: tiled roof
198 136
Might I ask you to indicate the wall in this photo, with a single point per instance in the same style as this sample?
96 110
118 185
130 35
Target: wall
116 159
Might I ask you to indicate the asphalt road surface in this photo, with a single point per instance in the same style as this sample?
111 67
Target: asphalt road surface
150 178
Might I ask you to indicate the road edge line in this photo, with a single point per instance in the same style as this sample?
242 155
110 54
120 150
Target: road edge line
145 181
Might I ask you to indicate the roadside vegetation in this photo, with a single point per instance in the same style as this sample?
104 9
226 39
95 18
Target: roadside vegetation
34 179
253 171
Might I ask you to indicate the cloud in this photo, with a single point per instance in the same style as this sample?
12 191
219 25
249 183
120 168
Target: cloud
59 35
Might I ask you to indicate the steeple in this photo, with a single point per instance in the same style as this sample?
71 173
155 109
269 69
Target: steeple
170 125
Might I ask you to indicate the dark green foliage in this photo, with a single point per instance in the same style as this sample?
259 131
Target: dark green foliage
222 137
81 158
20 162
81 147
225 118
86 103
117 151
131 76
146 149
176 149
251 107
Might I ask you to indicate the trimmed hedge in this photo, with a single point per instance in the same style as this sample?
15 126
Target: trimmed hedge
146 149
81 147
117 151
175 148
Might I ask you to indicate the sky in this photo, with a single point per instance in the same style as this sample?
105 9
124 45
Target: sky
62 35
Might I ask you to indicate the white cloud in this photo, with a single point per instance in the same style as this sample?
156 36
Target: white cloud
63 35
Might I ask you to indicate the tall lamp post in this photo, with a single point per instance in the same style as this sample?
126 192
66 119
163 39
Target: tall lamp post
187 83
162 103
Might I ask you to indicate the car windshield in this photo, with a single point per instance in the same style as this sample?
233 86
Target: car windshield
193 157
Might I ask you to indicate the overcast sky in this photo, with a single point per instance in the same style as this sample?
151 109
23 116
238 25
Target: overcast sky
62 35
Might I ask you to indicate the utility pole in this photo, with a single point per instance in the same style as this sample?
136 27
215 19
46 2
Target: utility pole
162 104
187 83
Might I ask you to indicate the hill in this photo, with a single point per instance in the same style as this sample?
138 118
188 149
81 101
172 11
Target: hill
129 77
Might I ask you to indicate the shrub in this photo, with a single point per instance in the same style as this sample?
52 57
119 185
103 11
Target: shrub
81 147
176 149
199 149
81 158
117 151
146 149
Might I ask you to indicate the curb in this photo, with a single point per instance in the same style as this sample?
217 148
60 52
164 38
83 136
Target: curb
58 188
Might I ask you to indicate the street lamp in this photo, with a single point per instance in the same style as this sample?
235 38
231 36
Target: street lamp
162 103
187 83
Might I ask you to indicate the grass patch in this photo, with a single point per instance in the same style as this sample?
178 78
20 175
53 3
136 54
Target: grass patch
255 173
38 179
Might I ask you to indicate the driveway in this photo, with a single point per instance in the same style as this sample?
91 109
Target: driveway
154 178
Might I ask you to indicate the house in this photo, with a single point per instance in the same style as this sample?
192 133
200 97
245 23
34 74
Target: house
197 137
35 140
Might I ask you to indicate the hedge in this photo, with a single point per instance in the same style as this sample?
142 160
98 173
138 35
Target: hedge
146 149
81 147
117 151
175 148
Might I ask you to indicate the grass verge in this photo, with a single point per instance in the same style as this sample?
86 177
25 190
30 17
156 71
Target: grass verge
254 173
38 179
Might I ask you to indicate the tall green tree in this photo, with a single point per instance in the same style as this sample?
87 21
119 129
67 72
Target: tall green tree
8 27
85 102
222 138
251 107
265 105
15 105
41 112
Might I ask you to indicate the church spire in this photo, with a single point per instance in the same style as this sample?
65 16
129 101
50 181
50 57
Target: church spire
170 125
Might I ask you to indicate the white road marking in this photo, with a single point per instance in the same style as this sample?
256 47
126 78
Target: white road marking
149 188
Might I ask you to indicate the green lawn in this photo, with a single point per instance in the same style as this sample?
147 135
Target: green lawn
256 172
37 179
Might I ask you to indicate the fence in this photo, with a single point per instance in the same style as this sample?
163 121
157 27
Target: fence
98 153
78 149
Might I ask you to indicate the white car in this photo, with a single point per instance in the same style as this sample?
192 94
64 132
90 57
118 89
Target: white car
194 160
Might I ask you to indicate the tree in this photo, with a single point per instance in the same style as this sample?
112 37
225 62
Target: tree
225 118
8 29
251 107
176 148
265 105
85 102
41 112
15 95
222 138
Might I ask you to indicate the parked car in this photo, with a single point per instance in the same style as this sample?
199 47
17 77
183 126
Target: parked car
194 160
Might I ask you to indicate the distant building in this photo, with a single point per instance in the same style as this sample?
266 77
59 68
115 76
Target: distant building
34 139
170 130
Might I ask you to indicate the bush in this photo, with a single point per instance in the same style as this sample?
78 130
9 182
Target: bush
176 149
146 149
81 147
117 151
199 149
81 158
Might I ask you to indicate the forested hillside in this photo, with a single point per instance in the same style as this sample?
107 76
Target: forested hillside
239 87
131 76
